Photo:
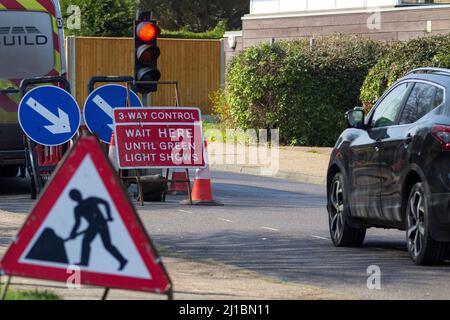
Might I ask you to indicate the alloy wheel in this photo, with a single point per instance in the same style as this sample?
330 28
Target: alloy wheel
337 210
416 224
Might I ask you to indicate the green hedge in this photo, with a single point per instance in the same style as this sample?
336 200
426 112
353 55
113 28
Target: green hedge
432 51
217 33
300 91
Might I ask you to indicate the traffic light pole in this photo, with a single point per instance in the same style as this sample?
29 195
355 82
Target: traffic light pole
146 99
147 15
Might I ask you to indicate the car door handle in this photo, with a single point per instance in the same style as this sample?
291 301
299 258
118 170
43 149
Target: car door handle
409 138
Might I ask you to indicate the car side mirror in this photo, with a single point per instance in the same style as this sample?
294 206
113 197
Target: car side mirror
355 118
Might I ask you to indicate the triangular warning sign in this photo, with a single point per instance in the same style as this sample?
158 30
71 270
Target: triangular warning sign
84 221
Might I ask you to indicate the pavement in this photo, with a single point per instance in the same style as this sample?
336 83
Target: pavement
277 231
301 164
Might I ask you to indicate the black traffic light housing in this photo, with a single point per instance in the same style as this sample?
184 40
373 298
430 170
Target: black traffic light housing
147 52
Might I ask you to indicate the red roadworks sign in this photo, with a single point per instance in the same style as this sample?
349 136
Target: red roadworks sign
159 138
84 221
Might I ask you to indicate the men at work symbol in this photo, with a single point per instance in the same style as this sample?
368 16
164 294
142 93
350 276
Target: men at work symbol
90 210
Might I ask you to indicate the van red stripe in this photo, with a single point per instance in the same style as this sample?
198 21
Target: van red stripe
56 41
7 104
53 73
15 82
48 5
12 4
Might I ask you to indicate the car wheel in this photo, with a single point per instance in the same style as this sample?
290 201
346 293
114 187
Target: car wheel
9 171
422 249
342 234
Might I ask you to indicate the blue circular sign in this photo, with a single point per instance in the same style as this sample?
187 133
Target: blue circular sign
49 115
99 108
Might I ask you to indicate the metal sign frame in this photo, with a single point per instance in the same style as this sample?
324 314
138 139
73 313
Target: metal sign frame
130 86
39 174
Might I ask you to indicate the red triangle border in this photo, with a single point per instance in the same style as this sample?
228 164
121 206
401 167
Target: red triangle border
160 282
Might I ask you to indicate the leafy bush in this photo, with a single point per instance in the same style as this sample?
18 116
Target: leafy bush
216 33
303 92
221 108
431 51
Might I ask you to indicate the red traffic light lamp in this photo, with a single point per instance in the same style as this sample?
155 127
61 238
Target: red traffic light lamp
147 31
147 52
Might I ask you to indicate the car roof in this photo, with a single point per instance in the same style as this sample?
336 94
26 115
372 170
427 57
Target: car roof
436 75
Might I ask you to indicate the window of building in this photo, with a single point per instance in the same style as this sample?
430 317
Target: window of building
416 2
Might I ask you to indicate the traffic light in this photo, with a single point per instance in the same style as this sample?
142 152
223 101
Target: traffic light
146 54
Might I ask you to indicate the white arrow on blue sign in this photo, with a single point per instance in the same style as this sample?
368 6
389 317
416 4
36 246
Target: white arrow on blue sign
99 108
49 115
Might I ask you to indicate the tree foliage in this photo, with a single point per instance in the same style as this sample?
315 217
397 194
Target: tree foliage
177 18
106 18
196 15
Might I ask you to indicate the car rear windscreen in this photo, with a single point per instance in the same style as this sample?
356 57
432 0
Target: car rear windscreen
26 44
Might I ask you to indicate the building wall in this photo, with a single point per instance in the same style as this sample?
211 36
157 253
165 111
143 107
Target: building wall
277 6
231 52
385 24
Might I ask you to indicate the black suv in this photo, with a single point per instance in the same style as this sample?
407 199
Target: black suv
391 169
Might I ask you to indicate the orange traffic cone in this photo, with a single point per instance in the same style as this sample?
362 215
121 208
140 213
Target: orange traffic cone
112 154
202 194
177 187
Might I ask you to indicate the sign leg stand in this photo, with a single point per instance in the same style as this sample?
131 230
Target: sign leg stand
189 187
105 294
5 289
166 185
31 167
170 295
140 189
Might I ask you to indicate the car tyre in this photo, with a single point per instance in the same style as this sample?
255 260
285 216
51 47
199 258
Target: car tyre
422 248
342 234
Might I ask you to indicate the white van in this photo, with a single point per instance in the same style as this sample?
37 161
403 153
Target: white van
31 45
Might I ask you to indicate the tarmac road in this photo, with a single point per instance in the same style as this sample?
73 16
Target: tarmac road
279 229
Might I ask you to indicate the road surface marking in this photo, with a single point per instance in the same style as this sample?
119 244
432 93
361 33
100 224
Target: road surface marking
321 238
270 229
226 220
184 211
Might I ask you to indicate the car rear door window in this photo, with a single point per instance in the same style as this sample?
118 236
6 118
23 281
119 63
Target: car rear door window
423 99
388 110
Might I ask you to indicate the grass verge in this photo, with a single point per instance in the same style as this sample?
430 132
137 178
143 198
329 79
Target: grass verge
31 295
